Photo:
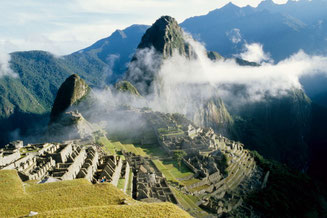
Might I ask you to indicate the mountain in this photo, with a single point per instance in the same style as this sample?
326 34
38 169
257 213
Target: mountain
127 87
116 50
159 42
72 91
28 99
213 113
307 11
277 127
40 73
164 36
228 28
281 29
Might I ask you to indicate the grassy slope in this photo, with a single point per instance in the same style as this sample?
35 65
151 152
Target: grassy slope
137 210
76 198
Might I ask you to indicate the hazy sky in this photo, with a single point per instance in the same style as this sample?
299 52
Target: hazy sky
64 26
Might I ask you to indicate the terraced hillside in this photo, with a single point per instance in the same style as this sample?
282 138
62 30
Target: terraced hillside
75 198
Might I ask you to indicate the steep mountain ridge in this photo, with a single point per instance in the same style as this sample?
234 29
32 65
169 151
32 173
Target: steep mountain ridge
300 19
116 50
165 35
70 93
278 127
160 41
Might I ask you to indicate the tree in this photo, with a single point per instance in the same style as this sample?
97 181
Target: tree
178 156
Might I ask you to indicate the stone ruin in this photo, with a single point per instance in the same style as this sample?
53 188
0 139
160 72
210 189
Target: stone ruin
222 165
149 182
63 161
10 153
224 168
47 162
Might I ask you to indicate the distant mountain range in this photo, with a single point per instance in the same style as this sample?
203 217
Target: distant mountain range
282 29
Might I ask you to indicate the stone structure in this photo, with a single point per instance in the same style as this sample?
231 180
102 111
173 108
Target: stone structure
63 153
110 167
222 165
90 165
8 157
58 161
70 169
148 180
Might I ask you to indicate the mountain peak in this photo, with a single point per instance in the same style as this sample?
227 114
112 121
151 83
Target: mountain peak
230 5
70 92
165 35
266 4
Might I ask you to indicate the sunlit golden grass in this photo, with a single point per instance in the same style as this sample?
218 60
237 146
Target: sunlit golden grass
75 198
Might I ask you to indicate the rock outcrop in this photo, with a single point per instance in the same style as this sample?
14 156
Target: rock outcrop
214 114
159 42
165 35
127 87
70 93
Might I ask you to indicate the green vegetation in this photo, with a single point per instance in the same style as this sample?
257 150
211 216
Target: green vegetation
121 183
71 92
75 198
125 86
173 173
108 147
189 203
114 147
152 150
25 101
170 132
178 156
277 128
129 185
288 193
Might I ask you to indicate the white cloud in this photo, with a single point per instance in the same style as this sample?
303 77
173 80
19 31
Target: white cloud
254 53
72 25
235 35
5 66
268 79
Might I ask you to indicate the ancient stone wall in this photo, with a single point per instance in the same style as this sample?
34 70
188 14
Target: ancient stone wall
8 158
116 175
40 172
69 171
127 172
64 152
90 165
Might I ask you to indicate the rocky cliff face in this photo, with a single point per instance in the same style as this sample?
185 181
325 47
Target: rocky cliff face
165 35
214 114
69 93
163 38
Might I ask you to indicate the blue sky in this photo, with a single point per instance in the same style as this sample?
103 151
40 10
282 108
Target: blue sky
64 26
